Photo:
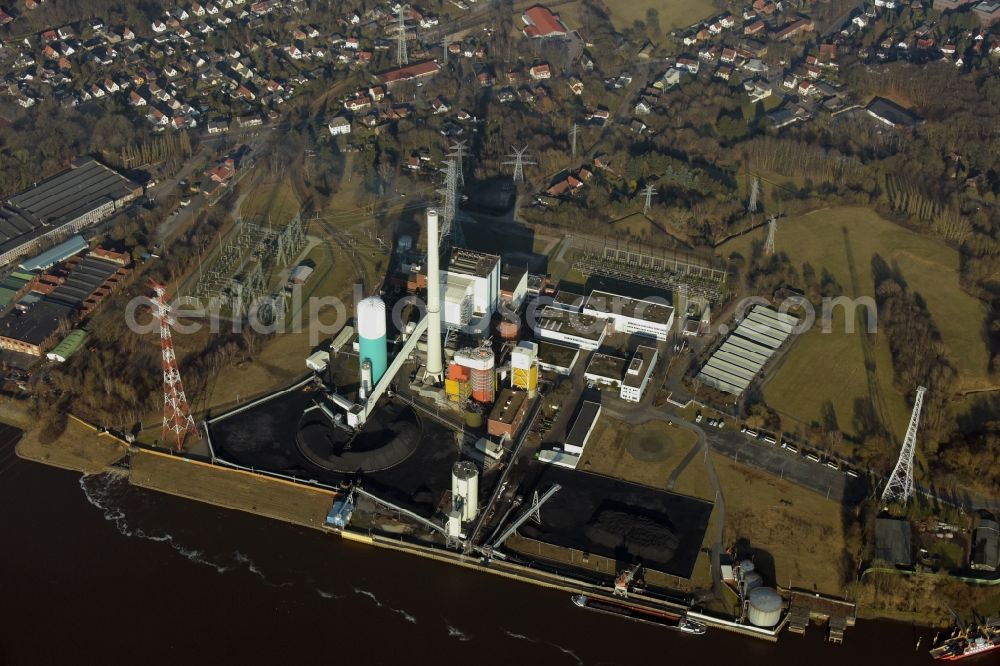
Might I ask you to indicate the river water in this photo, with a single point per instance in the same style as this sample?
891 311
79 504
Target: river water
93 570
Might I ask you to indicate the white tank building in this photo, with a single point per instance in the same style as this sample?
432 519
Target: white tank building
434 369
371 336
763 607
465 489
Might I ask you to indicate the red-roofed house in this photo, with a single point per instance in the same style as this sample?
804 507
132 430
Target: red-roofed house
540 22
414 71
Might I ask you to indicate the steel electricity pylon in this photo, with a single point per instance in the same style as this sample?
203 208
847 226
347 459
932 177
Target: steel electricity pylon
899 488
518 160
177 420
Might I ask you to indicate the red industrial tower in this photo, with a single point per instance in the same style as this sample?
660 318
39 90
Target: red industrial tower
177 420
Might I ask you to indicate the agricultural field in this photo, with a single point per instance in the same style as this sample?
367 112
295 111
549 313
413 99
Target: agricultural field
271 201
672 15
831 239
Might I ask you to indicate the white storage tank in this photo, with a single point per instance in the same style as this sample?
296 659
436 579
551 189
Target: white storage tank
465 489
746 566
371 335
454 523
764 607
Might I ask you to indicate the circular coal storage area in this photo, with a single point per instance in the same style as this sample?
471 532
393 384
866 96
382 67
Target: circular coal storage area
390 436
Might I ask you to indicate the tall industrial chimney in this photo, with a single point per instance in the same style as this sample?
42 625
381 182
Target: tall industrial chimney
434 370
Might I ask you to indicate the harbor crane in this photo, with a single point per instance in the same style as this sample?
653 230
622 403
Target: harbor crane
529 513
625 579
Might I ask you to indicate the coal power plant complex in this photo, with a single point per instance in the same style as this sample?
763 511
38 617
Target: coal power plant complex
434 417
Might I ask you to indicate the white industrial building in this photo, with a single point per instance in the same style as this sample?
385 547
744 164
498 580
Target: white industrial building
470 288
741 357
639 371
631 315
580 330
514 284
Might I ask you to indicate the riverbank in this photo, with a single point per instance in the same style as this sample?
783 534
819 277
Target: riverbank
84 449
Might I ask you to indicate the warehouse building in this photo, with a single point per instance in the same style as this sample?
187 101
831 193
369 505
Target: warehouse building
631 316
55 254
583 428
61 296
64 204
742 356
892 542
69 346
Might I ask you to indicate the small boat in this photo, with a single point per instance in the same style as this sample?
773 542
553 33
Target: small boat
629 611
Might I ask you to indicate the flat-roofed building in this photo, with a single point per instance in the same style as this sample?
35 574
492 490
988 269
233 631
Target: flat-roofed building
64 295
631 315
514 284
606 369
638 373
63 204
583 428
581 330
557 358
508 413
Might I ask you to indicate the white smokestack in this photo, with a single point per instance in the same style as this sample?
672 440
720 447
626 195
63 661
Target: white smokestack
434 371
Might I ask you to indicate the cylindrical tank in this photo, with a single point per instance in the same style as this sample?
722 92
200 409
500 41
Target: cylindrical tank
371 335
746 566
465 489
454 523
473 418
482 373
764 607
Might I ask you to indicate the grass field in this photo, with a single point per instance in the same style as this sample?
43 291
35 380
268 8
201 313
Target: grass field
675 14
276 201
802 530
827 239
645 454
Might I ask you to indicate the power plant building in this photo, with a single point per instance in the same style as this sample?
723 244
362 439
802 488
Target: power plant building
631 315
470 287
524 367
509 412
580 330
